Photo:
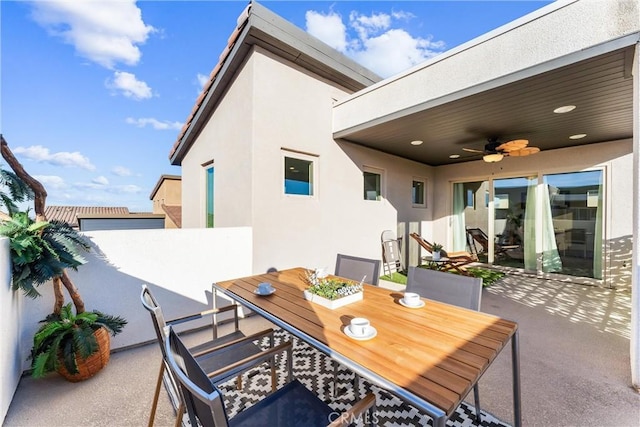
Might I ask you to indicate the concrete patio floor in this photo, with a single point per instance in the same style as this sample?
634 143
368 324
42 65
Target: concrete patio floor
575 367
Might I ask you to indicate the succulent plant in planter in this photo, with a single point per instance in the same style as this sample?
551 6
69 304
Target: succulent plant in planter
70 343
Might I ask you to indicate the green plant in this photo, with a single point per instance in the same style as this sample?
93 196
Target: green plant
41 250
329 288
64 336
436 247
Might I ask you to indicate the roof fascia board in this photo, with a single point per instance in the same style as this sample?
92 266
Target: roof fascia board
603 48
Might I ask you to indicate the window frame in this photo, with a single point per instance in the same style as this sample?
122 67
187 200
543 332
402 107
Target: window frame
313 176
424 192
380 172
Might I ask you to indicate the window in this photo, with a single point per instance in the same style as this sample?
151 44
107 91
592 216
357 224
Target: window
418 191
299 174
372 183
209 197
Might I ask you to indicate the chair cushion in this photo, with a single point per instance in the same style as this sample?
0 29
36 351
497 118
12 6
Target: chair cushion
292 405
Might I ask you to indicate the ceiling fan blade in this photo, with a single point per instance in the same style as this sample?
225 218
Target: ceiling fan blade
523 152
516 144
472 150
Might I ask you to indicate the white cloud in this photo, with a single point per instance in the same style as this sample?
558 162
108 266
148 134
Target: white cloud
51 182
129 85
41 154
105 32
121 171
327 27
133 189
100 180
203 79
373 40
154 123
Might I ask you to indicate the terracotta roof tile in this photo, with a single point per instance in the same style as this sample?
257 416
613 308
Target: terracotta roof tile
175 213
69 214
241 22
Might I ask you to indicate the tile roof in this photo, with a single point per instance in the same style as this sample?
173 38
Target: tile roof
241 22
69 214
257 25
174 213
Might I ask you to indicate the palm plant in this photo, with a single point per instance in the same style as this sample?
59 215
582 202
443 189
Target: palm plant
13 190
41 250
65 337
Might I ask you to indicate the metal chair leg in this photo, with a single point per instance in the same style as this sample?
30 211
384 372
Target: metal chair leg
154 405
180 415
476 399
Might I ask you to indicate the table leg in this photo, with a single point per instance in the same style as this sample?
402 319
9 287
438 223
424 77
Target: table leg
515 363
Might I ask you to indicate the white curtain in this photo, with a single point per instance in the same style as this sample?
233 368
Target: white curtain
551 261
459 226
597 236
530 256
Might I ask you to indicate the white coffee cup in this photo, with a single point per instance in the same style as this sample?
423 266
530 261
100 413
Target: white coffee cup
265 287
359 326
411 298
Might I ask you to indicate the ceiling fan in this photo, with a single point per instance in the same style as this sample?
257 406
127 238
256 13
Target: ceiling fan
495 151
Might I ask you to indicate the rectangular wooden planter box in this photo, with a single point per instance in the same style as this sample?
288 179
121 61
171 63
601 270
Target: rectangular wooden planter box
332 304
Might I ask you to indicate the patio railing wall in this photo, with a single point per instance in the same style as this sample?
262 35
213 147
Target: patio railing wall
178 265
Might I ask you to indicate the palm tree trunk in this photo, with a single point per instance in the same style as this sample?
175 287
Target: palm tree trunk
39 200
73 292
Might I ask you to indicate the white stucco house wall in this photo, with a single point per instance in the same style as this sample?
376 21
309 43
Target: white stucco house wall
279 99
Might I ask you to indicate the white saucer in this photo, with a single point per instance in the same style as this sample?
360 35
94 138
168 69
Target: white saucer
411 306
257 292
372 333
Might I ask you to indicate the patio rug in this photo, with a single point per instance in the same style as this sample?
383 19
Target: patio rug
316 372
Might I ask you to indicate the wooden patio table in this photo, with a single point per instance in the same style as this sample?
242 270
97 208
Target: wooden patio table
430 356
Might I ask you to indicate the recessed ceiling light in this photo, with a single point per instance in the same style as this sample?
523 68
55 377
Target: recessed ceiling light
578 136
416 142
454 156
564 109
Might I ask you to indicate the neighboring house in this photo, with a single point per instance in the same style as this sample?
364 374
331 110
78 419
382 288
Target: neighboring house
88 218
167 199
69 214
319 155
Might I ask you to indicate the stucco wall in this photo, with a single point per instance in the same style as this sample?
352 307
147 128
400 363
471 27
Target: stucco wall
226 140
178 265
11 347
274 104
615 157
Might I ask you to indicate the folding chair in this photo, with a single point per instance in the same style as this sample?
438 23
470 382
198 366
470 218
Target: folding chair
453 261
292 405
229 350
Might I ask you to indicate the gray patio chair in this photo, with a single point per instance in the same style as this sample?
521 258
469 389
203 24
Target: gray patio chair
454 289
292 405
355 268
230 350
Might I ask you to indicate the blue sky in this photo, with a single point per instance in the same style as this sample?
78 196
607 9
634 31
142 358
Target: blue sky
93 94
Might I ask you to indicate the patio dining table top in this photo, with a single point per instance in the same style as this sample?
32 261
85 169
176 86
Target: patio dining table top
430 356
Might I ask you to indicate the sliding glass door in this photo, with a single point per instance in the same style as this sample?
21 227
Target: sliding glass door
575 201
550 225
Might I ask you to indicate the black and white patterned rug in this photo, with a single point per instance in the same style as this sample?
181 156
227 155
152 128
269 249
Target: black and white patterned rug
316 372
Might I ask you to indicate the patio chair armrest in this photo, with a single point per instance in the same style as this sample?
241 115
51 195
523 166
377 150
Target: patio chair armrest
255 359
235 342
200 315
349 416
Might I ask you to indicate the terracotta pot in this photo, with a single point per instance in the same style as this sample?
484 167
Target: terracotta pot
92 364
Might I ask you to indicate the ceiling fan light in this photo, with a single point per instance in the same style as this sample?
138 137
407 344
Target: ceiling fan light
493 157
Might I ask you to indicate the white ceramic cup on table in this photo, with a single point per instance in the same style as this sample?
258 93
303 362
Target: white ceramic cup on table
265 287
411 298
359 326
